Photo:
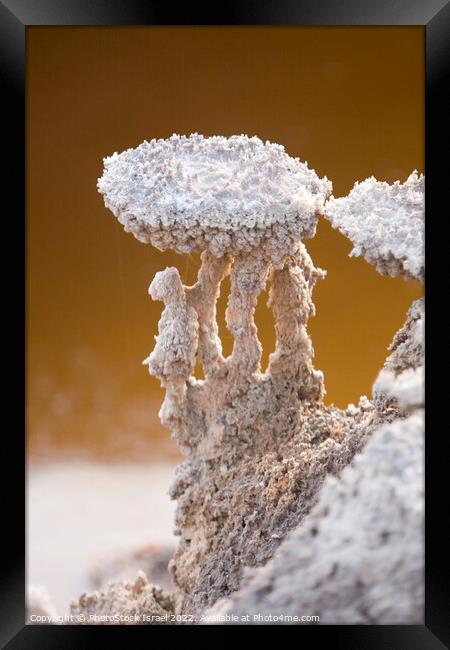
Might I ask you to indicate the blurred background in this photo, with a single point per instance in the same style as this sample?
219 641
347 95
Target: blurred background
349 101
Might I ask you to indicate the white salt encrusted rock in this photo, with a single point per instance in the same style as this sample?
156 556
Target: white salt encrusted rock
221 194
407 388
385 223
358 557
401 380
408 346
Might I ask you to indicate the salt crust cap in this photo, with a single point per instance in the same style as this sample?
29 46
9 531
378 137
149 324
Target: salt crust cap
385 223
222 194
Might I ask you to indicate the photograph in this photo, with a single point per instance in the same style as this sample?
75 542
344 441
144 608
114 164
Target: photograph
237 212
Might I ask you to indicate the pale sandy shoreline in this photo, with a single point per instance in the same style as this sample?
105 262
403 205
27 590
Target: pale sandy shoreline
81 513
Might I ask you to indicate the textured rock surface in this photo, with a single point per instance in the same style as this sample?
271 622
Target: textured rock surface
407 348
236 507
358 557
222 194
385 223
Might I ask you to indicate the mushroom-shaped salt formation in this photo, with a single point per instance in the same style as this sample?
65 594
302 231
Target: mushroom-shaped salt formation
233 198
258 445
385 223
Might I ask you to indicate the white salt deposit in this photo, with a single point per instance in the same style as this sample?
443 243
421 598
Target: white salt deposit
385 223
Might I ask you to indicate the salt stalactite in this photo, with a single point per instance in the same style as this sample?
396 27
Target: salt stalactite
203 297
173 358
291 301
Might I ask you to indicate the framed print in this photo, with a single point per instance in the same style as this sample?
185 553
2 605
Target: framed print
218 226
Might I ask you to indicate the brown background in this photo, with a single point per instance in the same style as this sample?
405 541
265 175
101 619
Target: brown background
347 100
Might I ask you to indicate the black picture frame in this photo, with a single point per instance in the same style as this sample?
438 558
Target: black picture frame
15 17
